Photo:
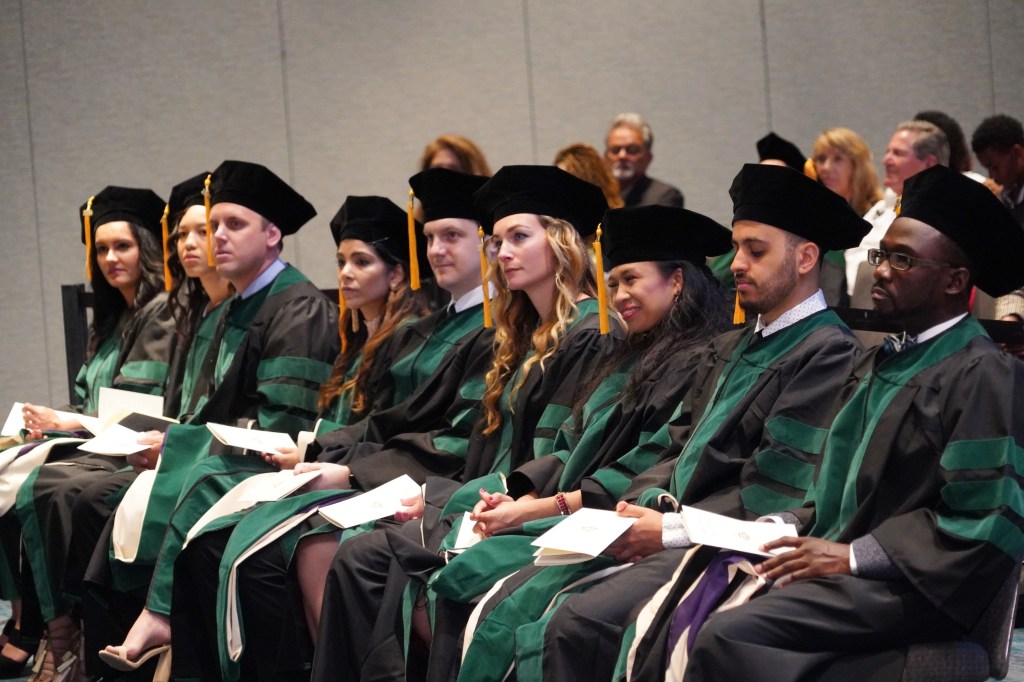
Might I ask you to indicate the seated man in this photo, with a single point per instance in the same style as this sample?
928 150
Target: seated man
915 521
628 153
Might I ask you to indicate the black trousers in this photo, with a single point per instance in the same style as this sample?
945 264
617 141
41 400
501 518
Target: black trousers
834 628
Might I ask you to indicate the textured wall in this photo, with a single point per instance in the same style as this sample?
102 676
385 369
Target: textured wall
339 96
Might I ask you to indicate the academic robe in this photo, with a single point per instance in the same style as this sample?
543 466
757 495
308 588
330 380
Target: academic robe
264 360
446 370
746 444
528 432
923 458
602 456
45 501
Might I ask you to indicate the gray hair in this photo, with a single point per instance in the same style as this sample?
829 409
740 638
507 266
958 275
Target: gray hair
630 120
930 140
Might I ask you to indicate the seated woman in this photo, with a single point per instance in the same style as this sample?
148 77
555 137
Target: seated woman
373 257
129 348
672 306
843 163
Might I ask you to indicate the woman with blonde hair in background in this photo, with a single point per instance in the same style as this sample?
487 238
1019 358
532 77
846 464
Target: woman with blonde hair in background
843 163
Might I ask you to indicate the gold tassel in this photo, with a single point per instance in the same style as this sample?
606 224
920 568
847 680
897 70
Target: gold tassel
414 262
899 204
483 277
602 291
341 320
87 222
210 259
739 316
355 320
167 265
809 169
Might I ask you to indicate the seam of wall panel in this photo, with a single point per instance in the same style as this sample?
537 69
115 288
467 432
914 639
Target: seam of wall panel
991 55
35 201
529 80
283 56
767 74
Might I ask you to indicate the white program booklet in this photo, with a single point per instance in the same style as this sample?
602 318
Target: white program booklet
708 528
114 440
115 404
270 442
580 537
384 500
467 537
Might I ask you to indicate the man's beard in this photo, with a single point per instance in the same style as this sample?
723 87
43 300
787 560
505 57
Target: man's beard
623 171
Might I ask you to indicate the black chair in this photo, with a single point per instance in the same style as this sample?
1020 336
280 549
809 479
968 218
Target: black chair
984 653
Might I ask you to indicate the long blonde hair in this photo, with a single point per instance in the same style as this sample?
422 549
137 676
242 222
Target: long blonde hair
518 327
866 189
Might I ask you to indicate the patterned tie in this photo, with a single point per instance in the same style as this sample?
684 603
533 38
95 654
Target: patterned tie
894 343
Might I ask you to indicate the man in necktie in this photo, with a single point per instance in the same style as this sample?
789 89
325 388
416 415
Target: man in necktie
913 523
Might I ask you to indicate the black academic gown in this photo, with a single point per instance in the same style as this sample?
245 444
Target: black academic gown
753 445
922 458
357 609
438 417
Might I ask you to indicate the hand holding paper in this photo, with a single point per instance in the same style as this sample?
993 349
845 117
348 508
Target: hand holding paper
252 439
707 528
375 504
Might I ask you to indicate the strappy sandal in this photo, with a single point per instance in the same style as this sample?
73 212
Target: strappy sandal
57 659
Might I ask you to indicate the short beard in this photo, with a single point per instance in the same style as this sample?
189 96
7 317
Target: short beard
624 172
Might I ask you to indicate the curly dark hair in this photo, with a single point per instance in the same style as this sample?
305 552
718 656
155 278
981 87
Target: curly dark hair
999 132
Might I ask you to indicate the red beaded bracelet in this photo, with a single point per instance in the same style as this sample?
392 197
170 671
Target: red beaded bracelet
563 504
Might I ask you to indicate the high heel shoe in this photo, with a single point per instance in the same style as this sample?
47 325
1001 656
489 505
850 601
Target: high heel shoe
120 661
15 667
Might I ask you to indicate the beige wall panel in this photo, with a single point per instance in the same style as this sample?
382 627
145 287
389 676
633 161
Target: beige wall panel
23 365
142 94
1006 22
692 68
869 65
371 83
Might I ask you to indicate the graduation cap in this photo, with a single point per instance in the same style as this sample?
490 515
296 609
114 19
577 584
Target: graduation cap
542 190
374 220
661 233
186 194
257 188
140 207
789 200
969 214
771 146
445 193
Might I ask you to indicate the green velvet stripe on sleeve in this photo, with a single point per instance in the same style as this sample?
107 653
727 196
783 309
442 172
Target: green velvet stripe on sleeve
984 500
144 376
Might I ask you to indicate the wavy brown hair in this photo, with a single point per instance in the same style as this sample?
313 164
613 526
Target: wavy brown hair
864 178
465 150
518 327
403 304
586 163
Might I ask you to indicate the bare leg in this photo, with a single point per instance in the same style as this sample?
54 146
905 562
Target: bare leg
149 630
313 558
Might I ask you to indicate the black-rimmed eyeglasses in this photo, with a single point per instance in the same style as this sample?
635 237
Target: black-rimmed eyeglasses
901 261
